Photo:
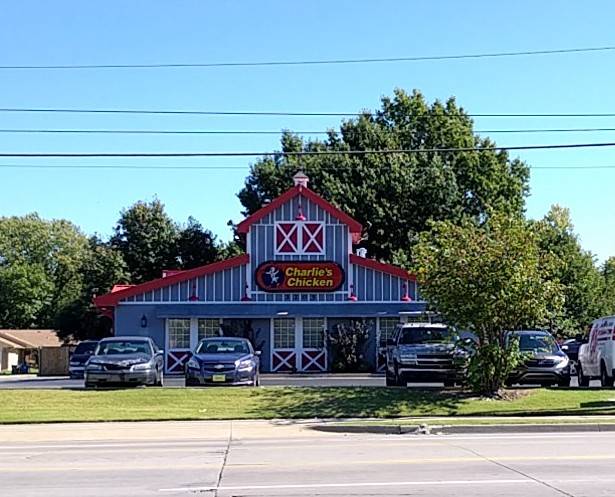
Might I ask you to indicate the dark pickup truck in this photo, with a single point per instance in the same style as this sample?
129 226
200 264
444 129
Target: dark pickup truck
426 352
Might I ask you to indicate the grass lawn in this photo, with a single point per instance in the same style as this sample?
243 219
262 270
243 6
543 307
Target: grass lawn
284 402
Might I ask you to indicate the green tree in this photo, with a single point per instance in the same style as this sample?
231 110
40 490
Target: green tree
147 239
575 269
53 251
608 274
26 294
395 196
488 278
196 246
103 268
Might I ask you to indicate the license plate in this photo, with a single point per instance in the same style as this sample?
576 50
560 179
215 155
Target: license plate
218 378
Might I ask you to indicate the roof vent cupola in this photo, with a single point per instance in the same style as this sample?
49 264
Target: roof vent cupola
300 179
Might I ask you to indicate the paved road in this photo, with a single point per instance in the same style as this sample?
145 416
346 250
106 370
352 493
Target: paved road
258 459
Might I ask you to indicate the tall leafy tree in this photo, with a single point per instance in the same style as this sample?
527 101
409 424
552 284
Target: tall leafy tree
488 278
43 259
101 269
576 271
608 274
196 246
147 239
397 195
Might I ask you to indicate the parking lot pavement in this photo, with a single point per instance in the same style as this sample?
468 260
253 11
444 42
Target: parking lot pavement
315 380
264 458
318 380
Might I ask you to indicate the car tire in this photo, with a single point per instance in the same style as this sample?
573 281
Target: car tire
159 379
564 383
606 381
389 381
583 380
90 385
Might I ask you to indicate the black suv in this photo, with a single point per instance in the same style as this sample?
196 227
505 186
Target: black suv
426 352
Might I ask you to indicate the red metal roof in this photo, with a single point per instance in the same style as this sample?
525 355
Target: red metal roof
112 298
381 266
353 225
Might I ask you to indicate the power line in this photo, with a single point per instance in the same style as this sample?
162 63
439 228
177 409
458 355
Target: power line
284 113
266 132
229 167
420 58
305 153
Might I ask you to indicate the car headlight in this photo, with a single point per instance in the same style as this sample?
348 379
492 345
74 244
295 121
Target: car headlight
143 366
245 364
193 363
94 367
560 362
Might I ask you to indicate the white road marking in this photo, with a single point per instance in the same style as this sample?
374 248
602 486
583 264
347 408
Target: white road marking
375 484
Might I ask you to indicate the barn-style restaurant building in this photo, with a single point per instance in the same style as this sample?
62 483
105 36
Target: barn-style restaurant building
300 277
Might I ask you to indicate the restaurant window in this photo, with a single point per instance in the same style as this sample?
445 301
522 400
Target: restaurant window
284 333
387 328
313 333
179 333
208 328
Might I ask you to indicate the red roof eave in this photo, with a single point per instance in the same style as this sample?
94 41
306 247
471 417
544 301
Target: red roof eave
382 267
112 298
353 225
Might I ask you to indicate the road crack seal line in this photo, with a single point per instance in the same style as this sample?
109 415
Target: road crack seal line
509 468
224 459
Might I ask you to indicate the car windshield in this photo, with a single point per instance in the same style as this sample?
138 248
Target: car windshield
86 348
537 343
117 347
221 346
410 336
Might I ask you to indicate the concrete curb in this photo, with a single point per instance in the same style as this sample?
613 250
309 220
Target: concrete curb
424 429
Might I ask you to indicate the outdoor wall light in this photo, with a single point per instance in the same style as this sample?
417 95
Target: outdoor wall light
144 321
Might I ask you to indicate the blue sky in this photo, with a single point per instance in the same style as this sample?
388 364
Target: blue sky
108 32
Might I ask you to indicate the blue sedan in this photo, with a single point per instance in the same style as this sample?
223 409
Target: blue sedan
223 361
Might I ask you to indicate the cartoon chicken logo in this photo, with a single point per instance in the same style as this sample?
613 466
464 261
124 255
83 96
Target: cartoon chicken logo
273 277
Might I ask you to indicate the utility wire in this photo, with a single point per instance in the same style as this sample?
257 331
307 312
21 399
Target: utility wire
267 132
313 62
305 153
282 113
230 167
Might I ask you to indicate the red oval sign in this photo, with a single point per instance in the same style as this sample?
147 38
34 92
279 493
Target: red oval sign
299 276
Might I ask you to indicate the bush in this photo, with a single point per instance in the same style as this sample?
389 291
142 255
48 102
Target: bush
347 344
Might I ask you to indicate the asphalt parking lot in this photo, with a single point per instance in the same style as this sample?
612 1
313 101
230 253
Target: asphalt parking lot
315 380
258 458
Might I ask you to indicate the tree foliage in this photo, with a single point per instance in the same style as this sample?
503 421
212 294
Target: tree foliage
196 246
147 239
395 196
582 284
488 278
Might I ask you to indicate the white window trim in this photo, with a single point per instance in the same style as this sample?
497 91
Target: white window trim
299 245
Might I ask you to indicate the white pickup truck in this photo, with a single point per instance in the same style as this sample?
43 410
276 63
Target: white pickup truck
597 357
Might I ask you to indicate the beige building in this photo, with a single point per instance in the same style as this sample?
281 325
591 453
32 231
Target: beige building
19 346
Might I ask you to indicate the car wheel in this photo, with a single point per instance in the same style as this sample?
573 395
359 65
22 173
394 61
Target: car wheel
160 378
605 379
389 381
583 380
565 382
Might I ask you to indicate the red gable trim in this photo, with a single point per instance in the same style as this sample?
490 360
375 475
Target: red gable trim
353 225
113 298
382 267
